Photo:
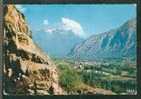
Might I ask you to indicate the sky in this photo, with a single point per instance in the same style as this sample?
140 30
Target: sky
82 20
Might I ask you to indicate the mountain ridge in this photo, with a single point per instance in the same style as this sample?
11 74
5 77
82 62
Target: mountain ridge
113 41
63 41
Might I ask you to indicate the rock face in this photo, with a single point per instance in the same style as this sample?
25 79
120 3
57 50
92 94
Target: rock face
27 70
117 43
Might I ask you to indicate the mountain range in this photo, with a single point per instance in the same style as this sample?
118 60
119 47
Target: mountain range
58 43
116 43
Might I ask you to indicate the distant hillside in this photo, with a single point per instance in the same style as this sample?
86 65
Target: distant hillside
117 43
58 43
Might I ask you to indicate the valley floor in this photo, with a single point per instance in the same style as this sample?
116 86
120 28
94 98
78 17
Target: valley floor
102 77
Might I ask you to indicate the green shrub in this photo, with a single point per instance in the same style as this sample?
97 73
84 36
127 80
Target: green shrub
68 78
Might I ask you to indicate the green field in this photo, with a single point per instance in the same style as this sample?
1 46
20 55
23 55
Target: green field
119 76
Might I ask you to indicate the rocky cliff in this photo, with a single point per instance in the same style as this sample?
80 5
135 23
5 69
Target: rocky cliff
116 43
27 70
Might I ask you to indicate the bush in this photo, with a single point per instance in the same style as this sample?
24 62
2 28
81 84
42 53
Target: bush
68 78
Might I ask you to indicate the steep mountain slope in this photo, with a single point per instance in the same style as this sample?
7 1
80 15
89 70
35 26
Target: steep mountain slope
27 70
61 40
117 43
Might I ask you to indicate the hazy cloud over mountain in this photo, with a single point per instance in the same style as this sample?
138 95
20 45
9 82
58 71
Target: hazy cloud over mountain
74 26
66 24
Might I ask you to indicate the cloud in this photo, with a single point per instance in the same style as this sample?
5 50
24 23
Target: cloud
21 8
74 26
134 5
45 22
49 30
65 25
